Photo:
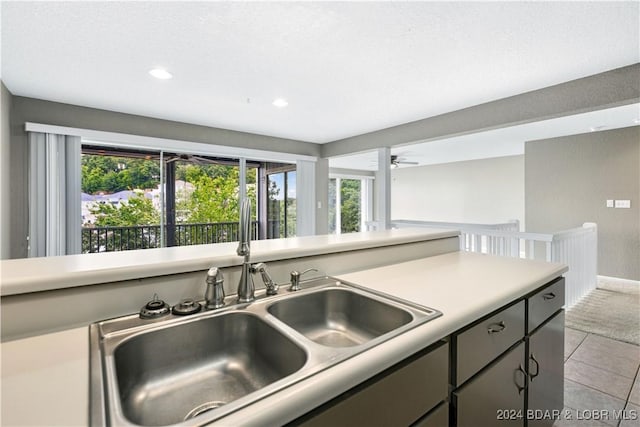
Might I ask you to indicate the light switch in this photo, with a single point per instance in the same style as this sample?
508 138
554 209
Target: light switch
623 204
609 203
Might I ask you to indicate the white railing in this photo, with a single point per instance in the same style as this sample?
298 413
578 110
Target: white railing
512 225
577 248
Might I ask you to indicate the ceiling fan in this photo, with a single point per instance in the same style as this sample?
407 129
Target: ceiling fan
190 158
397 161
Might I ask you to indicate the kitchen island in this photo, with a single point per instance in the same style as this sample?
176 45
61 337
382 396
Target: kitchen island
50 372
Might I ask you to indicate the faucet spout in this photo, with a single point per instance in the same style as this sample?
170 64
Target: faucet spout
246 288
244 245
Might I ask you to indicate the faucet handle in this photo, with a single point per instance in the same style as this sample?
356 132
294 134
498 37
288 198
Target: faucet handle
214 295
295 278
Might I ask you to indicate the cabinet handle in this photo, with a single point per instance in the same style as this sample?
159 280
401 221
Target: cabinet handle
496 327
549 296
524 379
532 375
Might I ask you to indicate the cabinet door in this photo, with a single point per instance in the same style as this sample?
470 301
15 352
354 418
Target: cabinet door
546 371
398 398
496 396
439 417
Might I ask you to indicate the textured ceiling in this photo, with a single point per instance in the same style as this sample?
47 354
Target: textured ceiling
346 68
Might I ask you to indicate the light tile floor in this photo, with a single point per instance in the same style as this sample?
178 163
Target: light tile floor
602 381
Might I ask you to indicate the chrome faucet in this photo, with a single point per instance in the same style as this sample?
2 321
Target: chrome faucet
246 288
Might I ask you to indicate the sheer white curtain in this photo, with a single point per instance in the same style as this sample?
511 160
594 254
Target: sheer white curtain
55 216
305 198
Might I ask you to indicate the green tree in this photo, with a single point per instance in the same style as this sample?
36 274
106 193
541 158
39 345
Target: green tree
215 197
213 200
111 174
350 209
138 210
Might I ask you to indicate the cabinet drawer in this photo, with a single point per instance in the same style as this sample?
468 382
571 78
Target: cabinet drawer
544 303
496 396
398 398
482 343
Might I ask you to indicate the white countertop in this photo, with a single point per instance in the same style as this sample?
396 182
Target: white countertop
39 274
50 372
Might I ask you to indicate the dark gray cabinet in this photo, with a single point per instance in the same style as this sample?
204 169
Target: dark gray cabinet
496 395
545 357
490 378
546 372
509 366
438 417
478 345
400 396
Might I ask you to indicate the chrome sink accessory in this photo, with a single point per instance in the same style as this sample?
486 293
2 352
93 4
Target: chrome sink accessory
171 372
246 288
261 267
295 278
186 307
214 295
154 308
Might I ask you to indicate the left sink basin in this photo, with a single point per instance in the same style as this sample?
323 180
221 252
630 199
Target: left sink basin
172 374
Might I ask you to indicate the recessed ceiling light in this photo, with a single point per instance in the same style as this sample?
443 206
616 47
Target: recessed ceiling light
280 102
637 121
160 73
597 128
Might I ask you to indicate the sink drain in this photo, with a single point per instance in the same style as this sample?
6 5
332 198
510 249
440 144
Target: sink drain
205 407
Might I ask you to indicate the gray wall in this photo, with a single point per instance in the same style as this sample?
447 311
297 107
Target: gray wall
567 183
5 167
53 113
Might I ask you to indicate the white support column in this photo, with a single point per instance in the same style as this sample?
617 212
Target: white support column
383 188
365 184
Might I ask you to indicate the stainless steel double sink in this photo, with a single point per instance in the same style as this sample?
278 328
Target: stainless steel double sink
192 370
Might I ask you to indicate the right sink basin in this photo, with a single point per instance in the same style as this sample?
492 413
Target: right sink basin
339 317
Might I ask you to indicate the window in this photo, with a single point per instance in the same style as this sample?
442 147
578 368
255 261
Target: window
134 199
149 171
281 200
120 200
349 204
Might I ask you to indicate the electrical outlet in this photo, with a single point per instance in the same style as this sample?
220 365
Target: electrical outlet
623 204
609 203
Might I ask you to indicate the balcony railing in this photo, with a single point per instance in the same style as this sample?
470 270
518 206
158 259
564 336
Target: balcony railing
109 239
